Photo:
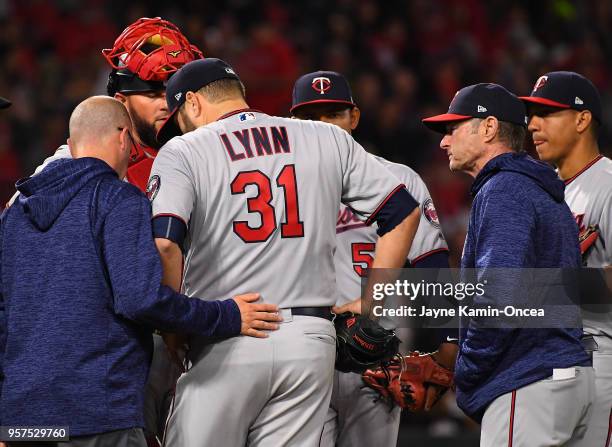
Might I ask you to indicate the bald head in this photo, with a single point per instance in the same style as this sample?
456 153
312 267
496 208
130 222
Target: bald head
99 127
95 119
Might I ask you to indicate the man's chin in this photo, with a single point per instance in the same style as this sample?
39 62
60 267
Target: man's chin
454 166
545 155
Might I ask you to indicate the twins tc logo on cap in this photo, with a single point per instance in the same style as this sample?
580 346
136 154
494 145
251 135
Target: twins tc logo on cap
321 84
539 83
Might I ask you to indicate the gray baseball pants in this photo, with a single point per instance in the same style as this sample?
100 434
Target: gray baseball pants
357 417
548 413
257 392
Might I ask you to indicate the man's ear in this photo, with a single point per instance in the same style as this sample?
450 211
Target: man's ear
583 120
120 97
70 146
192 104
489 128
124 140
355 115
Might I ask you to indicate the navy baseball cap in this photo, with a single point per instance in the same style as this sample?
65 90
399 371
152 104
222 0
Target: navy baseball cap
480 101
4 103
321 87
190 78
566 90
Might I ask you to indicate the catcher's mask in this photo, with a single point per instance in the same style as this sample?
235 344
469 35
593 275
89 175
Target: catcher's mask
145 54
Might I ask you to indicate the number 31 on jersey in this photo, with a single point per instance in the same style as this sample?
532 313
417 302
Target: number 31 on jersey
291 227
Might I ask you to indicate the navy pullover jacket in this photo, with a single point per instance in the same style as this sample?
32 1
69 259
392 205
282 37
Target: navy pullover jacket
80 293
519 219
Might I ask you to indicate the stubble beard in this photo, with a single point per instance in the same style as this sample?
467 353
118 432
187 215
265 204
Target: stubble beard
146 131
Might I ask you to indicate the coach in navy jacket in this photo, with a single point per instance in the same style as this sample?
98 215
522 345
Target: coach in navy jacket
81 292
519 220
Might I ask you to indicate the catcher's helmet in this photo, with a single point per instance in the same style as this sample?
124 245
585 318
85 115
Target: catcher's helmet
145 54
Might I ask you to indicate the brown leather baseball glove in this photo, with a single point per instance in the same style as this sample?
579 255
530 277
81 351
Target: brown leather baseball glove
404 380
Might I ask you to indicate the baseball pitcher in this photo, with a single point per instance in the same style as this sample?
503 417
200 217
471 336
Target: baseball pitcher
251 200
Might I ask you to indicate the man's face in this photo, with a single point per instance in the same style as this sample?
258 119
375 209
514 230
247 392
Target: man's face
342 116
553 131
148 111
461 143
184 122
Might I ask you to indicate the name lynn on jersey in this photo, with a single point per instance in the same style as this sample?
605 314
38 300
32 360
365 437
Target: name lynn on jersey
256 142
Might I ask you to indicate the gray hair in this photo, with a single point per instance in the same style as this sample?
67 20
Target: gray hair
513 135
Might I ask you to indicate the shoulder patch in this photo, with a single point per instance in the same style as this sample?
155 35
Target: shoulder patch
153 187
429 211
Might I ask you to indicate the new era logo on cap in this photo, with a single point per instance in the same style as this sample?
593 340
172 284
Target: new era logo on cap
578 101
178 96
481 109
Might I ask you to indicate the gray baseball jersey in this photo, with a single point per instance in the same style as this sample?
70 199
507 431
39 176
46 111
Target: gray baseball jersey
355 416
260 196
589 196
356 241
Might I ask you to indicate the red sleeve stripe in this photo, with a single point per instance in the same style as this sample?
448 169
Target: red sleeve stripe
373 216
609 429
511 427
429 253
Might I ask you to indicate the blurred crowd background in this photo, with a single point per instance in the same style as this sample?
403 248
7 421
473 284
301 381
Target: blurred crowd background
404 58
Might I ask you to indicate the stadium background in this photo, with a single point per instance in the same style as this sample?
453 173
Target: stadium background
405 60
